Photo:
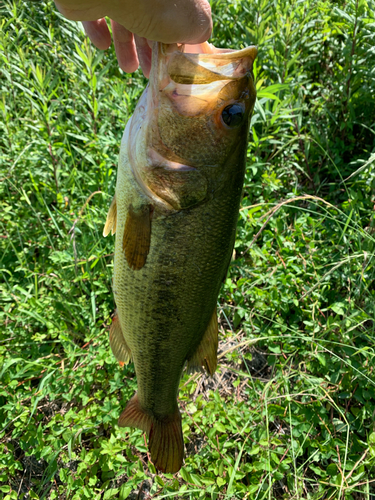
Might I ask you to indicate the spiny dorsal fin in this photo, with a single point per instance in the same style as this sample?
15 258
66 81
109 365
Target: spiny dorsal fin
111 222
137 236
206 353
166 442
118 343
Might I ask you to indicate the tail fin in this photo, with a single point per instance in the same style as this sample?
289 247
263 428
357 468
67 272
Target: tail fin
166 442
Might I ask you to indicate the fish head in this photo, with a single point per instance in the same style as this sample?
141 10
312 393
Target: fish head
195 114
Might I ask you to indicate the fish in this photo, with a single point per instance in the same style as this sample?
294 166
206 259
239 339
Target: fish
175 209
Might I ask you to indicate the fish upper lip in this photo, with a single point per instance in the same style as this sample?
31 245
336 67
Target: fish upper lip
221 64
170 62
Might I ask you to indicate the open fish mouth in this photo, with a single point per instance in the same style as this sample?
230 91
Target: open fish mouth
200 75
203 63
188 82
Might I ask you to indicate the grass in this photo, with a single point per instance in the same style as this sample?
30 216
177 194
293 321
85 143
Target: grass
290 412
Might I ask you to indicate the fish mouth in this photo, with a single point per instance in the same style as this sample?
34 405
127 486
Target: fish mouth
190 81
210 64
198 64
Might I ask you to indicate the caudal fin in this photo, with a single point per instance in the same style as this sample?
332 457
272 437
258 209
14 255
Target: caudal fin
166 442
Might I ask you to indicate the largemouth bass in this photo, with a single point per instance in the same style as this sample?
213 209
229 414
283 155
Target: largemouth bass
175 210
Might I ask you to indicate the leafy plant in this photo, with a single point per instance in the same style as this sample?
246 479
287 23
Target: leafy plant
290 412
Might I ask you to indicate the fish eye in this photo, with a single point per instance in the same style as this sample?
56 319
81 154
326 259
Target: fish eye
232 115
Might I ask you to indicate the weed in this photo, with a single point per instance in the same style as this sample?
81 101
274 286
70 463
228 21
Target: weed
290 412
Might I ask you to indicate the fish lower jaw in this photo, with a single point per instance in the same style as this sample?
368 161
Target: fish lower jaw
157 160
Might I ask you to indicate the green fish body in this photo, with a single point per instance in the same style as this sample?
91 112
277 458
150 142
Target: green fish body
175 211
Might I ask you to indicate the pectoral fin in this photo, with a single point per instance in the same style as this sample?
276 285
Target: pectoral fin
206 353
118 343
111 222
137 236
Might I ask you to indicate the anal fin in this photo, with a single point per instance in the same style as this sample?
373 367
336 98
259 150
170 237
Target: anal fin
137 236
206 353
111 222
166 442
118 343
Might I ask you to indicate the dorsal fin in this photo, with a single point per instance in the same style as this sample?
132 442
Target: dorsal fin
118 343
111 222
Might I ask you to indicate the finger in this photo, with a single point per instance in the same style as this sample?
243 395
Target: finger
125 47
144 54
200 27
81 11
169 21
98 33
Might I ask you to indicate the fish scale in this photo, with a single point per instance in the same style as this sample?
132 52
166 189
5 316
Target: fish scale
178 192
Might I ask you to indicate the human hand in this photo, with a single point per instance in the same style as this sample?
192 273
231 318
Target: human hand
136 22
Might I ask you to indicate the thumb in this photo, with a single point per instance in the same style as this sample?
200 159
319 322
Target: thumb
167 21
194 24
